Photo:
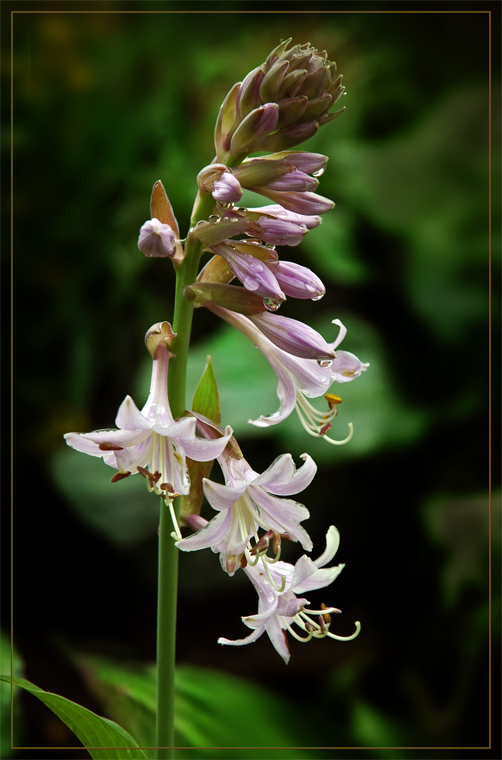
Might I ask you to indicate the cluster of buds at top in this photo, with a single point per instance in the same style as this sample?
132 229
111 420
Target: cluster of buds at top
279 104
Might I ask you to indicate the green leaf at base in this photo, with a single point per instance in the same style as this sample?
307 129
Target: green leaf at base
103 739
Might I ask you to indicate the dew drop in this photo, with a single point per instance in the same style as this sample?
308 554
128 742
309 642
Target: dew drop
213 218
271 304
318 297
318 173
324 363
234 219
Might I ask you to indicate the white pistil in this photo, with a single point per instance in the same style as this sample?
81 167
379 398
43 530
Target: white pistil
176 534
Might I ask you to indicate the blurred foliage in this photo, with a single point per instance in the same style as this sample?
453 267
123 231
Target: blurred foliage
105 104
9 666
205 700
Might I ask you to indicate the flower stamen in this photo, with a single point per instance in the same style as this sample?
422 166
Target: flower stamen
318 424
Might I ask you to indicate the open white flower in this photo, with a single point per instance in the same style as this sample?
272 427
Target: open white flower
151 441
279 608
247 502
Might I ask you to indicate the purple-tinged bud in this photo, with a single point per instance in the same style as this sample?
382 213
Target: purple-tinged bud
293 336
254 126
310 163
227 189
294 181
156 239
218 180
255 172
279 231
286 138
308 204
249 92
279 212
229 296
291 111
301 83
297 281
253 273
226 123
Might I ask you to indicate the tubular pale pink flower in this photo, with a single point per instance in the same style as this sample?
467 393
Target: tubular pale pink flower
279 609
293 336
299 379
278 212
247 502
156 239
151 441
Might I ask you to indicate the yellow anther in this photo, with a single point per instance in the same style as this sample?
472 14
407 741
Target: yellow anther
332 400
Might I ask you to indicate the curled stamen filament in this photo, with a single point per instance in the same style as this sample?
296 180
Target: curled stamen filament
297 636
275 559
319 630
314 421
271 580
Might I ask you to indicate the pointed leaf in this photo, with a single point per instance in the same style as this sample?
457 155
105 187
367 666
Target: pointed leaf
103 739
206 399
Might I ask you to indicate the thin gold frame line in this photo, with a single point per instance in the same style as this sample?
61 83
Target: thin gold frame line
122 12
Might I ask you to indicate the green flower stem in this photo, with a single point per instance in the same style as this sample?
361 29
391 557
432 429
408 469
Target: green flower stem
166 635
186 274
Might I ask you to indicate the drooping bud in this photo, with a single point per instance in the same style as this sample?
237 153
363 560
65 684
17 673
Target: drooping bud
157 239
160 333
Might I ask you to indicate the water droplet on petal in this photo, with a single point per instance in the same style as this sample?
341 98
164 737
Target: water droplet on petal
318 173
213 218
271 304
234 219
324 363
318 297
250 283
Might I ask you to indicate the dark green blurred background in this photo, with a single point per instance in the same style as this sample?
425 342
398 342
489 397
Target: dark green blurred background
103 106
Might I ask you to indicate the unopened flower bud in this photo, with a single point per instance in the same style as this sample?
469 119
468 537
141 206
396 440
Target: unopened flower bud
300 83
254 126
157 239
160 333
227 189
